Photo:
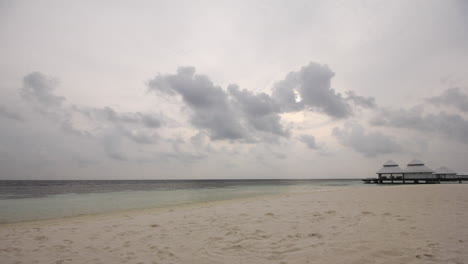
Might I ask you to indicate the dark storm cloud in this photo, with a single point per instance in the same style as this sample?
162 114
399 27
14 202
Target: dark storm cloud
309 141
40 88
366 102
260 111
313 84
369 144
450 125
223 115
7 113
453 97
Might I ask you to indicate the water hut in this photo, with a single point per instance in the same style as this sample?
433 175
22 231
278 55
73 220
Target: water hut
390 170
444 173
417 170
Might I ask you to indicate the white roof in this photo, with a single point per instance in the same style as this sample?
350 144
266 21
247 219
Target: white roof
390 163
415 162
444 170
390 169
417 169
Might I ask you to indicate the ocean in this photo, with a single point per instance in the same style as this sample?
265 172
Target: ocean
39 200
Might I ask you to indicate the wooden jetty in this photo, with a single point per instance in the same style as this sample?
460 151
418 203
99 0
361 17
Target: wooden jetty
416 172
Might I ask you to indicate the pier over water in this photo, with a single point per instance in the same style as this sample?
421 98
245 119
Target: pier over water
415 172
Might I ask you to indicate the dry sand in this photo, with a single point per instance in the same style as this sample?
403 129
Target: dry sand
394 224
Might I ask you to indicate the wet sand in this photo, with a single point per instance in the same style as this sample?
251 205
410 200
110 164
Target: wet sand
386 224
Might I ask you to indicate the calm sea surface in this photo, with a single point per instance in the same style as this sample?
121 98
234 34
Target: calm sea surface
36 200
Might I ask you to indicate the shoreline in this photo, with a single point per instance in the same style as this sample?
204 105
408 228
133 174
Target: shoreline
117 213
176 203
398 224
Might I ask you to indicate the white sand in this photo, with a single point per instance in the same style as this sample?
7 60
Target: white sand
395 224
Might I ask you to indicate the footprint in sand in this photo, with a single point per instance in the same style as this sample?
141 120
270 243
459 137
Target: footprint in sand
424 255
63 261
317 235
297 235
40 238
68 242
367 213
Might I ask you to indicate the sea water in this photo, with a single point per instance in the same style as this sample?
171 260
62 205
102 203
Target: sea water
38 200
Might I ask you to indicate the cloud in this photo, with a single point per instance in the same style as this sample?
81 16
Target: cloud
260 111
239 114
209 103
108 114
310 89
92 123
450 125
366 102
309 141
7 113
369 144
183 157
126 127
454 97
140 137
39 88
233 115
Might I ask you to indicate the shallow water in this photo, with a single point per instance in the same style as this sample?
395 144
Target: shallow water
36 200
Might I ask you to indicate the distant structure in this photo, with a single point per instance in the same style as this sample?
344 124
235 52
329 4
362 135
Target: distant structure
445 173
390 169
415 172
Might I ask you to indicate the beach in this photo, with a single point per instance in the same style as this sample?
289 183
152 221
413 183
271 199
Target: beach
384 224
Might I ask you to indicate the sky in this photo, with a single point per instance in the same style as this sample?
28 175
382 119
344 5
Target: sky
231 89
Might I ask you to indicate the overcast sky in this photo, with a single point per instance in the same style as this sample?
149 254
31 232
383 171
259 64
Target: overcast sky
231 89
